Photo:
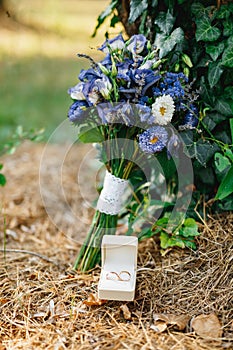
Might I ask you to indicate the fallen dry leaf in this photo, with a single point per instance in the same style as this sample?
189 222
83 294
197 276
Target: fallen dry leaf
207 326
93 300
162 321
159 326
126 313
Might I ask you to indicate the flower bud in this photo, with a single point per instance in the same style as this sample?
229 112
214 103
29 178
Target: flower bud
186 71
114 69
148 45
177 67
156 64
186 59
103 69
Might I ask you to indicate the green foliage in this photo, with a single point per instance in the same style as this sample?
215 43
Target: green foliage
90 136
105 14
181 235
2 177
137 7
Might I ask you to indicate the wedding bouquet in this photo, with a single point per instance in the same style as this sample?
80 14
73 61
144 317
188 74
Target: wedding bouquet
132 108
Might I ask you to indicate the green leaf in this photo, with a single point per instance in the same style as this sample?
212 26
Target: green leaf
1 166
226 186
114 20
205 31
2 180
209 123
215 50
214 73
231 126
166 43
201 150
104 15
136 9
189 229
167 241
227 57
206 94
228 27
154 3
221 162
197 9
223 107
165 22
90 136
223 12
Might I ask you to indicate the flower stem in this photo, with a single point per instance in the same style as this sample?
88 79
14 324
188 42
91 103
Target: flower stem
89 255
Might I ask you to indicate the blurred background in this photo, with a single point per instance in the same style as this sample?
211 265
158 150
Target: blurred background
39 40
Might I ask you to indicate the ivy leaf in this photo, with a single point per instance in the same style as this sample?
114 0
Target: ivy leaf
2 180
154 3
114 20
214 73
223 12
197 9
167 241
226 186
104 15
136 9
215 50
165 22
221 162
166 43
228 27
189 228
227 57
90 136
231 126
201 150
206 94
223 107
205 31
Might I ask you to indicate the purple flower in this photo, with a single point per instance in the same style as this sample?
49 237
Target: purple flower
136 44
114 44
153 140
77 110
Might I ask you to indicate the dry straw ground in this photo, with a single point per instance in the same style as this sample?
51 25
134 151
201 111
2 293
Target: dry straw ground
42 303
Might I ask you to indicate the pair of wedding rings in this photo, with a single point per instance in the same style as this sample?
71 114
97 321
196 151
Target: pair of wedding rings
123 276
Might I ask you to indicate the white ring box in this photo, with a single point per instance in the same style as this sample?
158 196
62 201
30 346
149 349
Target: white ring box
119 254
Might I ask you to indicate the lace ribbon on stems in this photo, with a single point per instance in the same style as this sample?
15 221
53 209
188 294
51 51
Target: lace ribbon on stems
110 200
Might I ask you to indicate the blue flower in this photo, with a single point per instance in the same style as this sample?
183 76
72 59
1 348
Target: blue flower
145 114
114 44
136 44
191 117
145 78
107 112
153 140
77 110
89 74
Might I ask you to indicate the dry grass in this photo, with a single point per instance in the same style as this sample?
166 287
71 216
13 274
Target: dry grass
42 303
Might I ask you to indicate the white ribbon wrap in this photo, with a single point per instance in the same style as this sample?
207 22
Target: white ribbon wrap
110 199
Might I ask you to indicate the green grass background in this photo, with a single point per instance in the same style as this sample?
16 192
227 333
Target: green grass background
38 63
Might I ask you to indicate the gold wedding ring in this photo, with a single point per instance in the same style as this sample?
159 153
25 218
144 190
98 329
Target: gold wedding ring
123 276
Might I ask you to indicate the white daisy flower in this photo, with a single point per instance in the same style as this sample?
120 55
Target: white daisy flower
163 109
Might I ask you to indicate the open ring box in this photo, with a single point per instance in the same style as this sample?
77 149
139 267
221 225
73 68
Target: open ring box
119 268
